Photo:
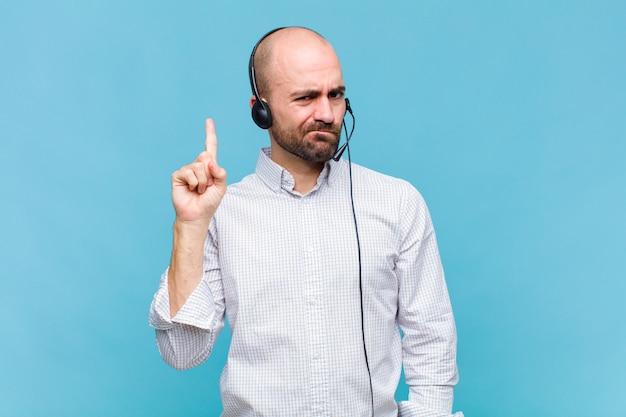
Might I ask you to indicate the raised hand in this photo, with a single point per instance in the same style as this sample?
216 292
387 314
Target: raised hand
198 188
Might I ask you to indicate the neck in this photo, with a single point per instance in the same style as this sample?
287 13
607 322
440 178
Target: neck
305 173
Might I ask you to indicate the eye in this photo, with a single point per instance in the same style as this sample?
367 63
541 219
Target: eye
336 94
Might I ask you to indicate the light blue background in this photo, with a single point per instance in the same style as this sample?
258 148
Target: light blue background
508 116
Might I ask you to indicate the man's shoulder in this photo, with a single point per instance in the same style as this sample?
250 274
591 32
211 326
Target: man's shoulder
367 177
396 196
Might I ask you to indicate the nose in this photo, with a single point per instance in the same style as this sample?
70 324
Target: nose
324 110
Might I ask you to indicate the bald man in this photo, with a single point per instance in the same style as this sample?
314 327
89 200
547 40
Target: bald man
328 296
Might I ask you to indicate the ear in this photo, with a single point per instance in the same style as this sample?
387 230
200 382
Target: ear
252 100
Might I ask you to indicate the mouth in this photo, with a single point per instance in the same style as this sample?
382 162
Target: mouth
324 134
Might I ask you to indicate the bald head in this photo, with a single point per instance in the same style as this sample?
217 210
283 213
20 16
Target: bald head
276 49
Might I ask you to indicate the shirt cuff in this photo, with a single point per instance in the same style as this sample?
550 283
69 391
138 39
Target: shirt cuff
198 310
410 409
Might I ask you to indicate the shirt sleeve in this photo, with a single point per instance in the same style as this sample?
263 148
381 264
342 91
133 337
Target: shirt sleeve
425 317
186 340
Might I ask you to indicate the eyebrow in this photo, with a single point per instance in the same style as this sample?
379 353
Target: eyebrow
315 92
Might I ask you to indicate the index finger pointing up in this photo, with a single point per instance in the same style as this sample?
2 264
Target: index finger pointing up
211 139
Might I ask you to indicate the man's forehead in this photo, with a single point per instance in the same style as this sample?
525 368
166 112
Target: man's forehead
309 77
307 60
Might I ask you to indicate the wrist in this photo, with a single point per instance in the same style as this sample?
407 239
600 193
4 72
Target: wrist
194 230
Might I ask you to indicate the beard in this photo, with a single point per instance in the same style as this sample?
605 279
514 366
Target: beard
319 146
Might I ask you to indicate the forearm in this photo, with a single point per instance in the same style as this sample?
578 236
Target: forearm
429 361
186 265
430 340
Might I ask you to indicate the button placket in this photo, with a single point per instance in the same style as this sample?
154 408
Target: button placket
315 315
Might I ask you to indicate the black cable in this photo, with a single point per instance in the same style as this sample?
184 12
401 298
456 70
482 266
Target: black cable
358 245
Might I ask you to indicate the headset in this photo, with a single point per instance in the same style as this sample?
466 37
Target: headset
261 113
262 116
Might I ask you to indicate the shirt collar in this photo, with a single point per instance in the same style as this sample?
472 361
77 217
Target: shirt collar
277 177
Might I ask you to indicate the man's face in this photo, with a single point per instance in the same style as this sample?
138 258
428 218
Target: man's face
307 101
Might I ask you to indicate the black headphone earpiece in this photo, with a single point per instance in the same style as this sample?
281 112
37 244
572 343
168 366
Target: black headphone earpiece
261 113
